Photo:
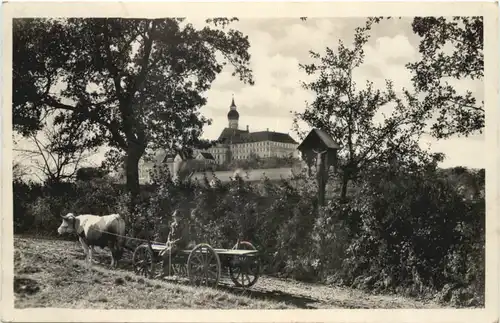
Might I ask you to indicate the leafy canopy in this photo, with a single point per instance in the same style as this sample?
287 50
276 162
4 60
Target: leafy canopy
121 82
354 114
451 49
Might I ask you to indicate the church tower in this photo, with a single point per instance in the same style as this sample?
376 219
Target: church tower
233 116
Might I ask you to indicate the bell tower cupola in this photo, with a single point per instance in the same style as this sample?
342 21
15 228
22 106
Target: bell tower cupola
233 116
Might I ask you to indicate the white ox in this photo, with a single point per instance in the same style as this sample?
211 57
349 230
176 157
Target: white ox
93 230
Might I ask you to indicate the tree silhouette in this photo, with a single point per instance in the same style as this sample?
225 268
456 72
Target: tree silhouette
351 113
131 84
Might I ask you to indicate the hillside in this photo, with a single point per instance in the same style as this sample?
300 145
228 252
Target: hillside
52 273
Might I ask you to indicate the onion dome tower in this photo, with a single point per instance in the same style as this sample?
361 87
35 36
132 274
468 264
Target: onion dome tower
233 116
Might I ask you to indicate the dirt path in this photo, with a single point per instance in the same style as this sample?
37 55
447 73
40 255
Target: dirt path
306 295
43 265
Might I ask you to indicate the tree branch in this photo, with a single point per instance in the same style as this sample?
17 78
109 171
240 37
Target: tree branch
46 162
141 76
111 126
454 101
113 70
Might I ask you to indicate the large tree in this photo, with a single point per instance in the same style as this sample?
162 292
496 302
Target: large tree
132 84
354 114
451 49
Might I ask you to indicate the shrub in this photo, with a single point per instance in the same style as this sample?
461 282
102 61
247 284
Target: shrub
413 233
24 195
96 196
40 212
406 231
90 173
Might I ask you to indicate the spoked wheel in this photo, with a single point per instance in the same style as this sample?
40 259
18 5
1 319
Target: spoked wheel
244 270
203 266
179 270
143 261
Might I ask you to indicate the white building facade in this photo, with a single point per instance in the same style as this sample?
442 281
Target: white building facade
235 144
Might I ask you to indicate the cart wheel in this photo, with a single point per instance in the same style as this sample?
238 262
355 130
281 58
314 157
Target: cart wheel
203 266
143 260
179 270
244 270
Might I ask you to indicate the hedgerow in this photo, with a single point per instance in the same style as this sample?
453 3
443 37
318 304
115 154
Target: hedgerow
406 232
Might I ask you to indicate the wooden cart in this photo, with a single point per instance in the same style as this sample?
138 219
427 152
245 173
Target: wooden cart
203 265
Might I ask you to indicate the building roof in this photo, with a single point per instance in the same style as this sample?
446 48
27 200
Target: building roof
160 156
318 137
233 115
207 155
235 136
184 155
327 139
230 135
272 136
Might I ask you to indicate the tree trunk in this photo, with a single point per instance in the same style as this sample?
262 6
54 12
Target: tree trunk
321 177
134 154
343 192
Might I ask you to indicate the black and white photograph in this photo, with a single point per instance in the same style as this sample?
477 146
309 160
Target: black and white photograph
223 160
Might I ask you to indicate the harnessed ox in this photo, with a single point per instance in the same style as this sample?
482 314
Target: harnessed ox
93 230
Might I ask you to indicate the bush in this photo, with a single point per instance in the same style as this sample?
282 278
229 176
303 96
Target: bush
38 208
90 173
414 232
256 162
24 195
277 218
97 196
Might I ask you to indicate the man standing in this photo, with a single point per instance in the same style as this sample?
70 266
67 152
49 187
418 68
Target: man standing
179 238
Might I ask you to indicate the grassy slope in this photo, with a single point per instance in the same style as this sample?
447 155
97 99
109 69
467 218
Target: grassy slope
50 273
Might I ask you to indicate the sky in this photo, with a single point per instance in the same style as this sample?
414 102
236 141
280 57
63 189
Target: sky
278 46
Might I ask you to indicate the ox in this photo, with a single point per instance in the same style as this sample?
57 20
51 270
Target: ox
93 230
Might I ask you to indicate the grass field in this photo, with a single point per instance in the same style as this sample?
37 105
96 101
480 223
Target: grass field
52 273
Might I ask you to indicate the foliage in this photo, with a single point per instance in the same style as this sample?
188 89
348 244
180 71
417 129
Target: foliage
126 83
38 208
277 218
451 49
388 236
397 226
459 113
89 173
351 113
185 169
24 195
55 156
256 162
